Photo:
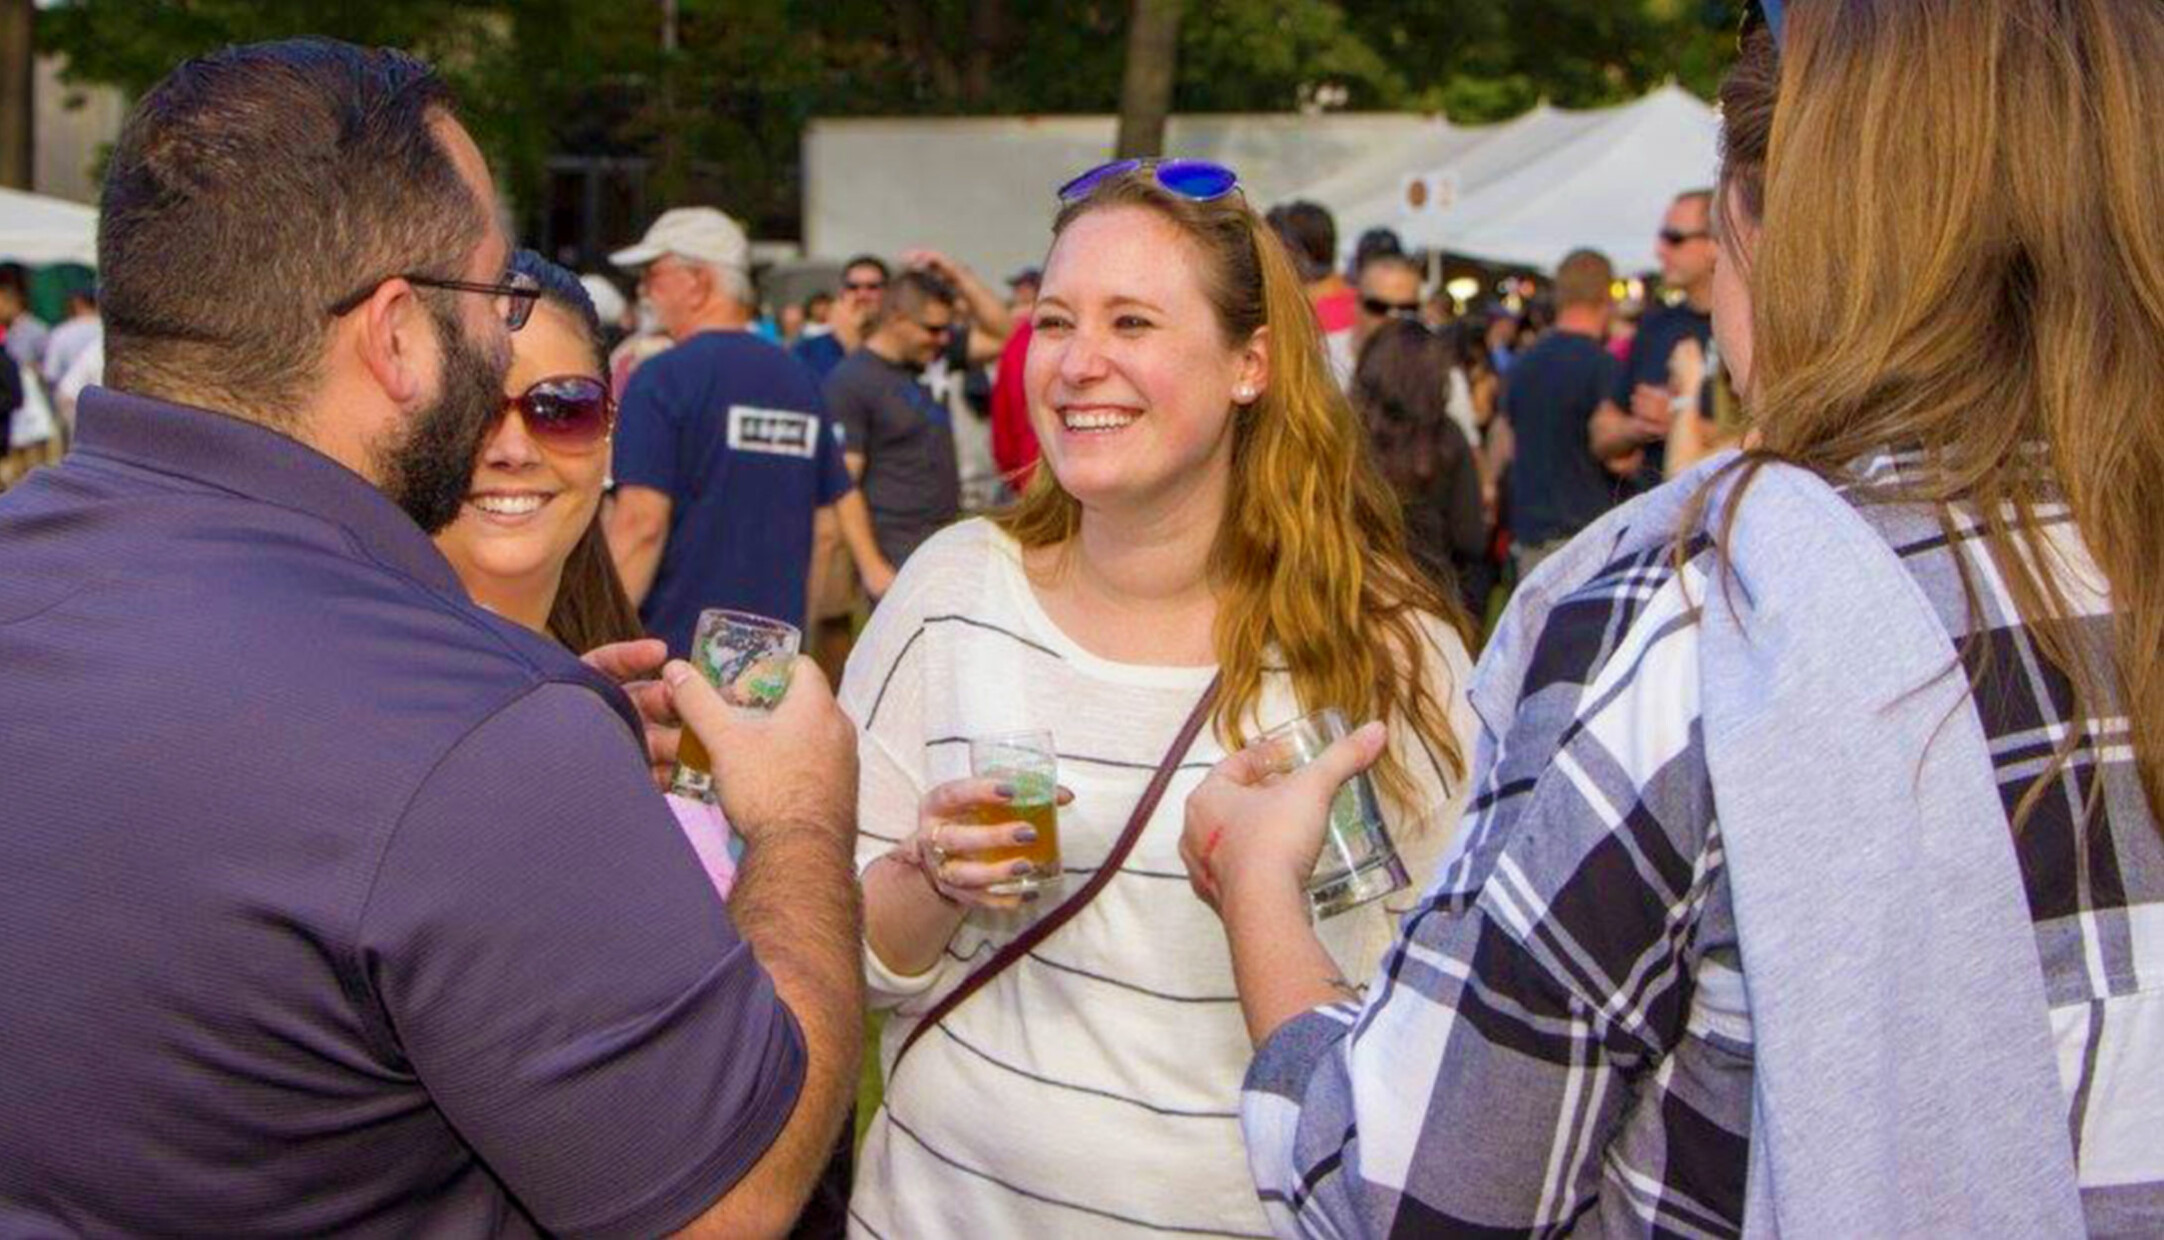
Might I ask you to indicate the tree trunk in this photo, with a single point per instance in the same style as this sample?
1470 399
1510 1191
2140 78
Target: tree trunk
1153 51
18 62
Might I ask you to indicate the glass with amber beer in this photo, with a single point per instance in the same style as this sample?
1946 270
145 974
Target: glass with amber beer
1027 763
747 658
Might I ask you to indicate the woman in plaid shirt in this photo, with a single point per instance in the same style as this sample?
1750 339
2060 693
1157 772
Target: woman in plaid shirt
1959 332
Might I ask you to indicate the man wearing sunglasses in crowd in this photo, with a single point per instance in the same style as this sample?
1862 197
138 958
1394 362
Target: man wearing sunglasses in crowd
331 903
1647 396
864 286
1389 287
897 437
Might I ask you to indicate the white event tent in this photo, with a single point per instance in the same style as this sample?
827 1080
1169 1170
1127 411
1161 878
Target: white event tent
38 230
981 188
1529 190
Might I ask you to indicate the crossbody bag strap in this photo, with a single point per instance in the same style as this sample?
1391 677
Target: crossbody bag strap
1043 928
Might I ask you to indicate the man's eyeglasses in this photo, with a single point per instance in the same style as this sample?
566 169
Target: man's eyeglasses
517 292
1676 236
565 411
1381 309
1761 14
863 286
1196 180
938 330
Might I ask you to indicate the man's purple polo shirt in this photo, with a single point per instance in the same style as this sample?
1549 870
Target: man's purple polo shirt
328 902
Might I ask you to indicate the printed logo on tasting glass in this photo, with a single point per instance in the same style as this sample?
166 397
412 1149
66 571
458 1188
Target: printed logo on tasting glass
777 432
746 677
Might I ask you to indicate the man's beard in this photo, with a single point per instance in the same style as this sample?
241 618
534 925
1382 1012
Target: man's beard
429 472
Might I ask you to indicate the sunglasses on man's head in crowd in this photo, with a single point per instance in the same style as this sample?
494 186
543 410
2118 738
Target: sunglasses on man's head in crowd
566 411
1196 180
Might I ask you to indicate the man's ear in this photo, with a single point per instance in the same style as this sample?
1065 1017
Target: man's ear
396 341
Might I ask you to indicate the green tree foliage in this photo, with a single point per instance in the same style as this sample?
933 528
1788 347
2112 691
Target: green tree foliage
720 118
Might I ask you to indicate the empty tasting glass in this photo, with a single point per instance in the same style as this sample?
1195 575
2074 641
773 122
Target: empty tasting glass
747 658
1358 862
1027 762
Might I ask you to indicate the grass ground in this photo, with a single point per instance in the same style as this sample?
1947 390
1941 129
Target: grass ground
869 1086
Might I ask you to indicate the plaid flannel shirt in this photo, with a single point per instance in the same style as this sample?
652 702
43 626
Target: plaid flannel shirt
1562 1038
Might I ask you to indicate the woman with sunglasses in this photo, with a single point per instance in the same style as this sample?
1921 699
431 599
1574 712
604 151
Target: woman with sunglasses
1817 885
528 543
1206 523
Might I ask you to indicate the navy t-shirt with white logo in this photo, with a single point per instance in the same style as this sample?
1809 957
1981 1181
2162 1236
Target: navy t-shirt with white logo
730 428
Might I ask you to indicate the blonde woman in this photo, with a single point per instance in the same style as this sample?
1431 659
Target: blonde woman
1208 514
1817 885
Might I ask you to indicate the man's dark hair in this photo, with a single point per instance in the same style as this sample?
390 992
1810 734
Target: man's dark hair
910 292
1308 230
253 188
818 299
1702 197
1376 262
1584 278
1374 244
869 260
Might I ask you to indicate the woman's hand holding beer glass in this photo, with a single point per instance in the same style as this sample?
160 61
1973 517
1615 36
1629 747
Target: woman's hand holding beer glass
981 842
1252 831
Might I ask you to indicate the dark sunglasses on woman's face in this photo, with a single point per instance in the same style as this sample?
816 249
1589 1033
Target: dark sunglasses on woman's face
566 411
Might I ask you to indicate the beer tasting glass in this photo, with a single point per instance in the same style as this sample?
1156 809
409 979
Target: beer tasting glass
1026 762
1358 862
747 658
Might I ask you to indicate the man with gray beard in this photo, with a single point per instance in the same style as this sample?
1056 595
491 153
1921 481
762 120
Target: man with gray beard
329 902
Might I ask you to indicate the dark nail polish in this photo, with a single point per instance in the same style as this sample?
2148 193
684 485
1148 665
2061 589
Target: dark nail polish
1030 897
1026 835
1022 869
1004 792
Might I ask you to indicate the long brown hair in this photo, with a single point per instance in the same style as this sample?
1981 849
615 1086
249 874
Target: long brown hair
1401 389
1962 254
591 608
1310 563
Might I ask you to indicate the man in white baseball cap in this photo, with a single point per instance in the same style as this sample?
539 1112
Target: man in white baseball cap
725 462
703 234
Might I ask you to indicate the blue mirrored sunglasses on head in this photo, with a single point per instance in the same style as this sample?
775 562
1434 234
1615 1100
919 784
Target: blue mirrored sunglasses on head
1194 179
1758 13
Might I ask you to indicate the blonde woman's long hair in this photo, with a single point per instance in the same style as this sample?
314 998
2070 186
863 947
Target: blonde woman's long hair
1309 565
1963 254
